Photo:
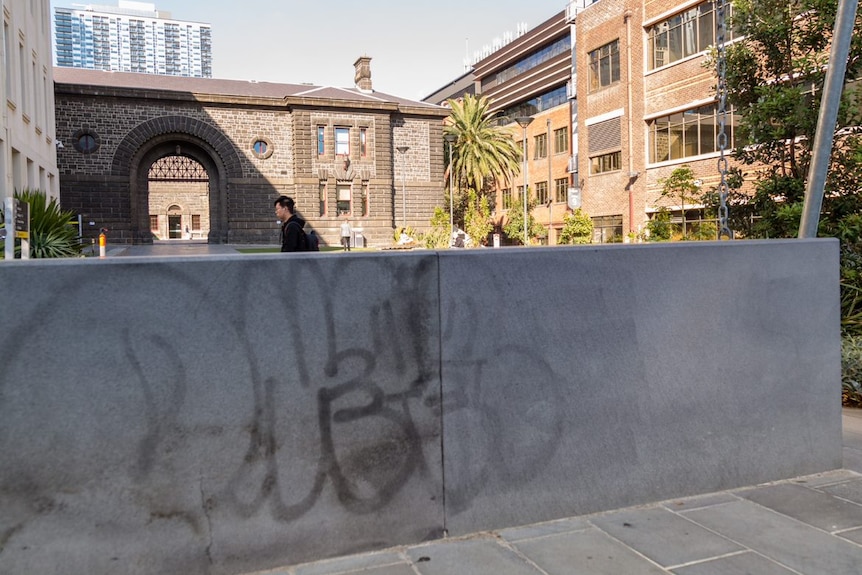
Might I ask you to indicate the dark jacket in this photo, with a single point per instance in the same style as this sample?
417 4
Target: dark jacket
293 234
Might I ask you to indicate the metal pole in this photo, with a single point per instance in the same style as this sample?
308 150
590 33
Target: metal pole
829 103
550 181
525 121
451 139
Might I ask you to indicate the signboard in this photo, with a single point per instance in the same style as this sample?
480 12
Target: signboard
22 220
574 198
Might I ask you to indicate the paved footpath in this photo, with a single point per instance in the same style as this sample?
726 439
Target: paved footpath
805 526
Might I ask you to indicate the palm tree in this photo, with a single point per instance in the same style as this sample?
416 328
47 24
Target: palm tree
483 151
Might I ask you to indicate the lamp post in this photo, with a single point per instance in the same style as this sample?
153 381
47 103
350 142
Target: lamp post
525 121
403 151
451 139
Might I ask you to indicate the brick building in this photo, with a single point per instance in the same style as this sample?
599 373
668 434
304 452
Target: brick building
646 106
529 77
228 148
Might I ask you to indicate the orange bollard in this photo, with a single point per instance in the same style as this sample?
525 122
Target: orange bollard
103 241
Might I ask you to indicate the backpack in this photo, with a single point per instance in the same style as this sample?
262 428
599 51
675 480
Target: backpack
311 241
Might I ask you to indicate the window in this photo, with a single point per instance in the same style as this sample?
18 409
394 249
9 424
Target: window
342 141
604 65
321 148
531 61
154 222
561 140
531 107
261 148
561 190
685 34
86 141
363 142
541 147
607 229
542 192
196 222
342 205
507 198
605 163
688 133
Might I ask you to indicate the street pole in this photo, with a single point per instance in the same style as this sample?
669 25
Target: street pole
403 151
451 139
825 133
525 121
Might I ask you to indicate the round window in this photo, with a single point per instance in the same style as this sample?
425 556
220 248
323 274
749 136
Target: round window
86 141
261 148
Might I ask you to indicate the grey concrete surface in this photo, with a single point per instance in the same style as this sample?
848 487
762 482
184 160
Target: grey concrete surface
182 414
612 379
725 533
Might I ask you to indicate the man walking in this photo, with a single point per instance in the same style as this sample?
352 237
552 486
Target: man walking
292 232
345 235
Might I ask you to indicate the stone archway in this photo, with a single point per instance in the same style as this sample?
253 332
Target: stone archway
176 136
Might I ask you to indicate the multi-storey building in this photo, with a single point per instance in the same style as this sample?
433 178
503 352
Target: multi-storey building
529 78
131 37
28 158
646 106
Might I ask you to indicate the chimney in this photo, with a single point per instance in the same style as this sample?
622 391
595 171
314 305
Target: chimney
363 74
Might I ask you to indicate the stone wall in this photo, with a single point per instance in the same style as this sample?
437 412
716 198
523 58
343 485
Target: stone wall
223 415
136 126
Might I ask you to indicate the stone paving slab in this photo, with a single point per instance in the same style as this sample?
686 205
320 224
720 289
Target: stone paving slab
785 540
807 505
663 536
589 552
747 563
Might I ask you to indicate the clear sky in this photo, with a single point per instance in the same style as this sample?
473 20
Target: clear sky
415 47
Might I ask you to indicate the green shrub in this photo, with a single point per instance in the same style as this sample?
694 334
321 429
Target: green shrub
851 371
51 236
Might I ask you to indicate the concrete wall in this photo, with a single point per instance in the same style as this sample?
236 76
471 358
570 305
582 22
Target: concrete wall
227 414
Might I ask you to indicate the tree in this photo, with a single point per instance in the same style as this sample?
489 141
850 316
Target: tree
680 186
438 236
483 152
577 228
477 218
775 75
514 226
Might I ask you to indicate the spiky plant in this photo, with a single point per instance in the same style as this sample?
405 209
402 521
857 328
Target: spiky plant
51 236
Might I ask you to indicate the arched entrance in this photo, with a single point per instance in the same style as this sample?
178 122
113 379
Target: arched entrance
178 191
178 188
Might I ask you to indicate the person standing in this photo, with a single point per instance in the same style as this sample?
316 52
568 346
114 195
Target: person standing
292 232
345 235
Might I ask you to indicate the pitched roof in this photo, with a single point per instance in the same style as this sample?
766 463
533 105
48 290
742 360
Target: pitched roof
220 87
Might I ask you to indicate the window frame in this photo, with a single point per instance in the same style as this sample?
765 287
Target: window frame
604 66
561 140
342 144
606 163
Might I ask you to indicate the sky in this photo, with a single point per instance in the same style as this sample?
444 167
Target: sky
415 47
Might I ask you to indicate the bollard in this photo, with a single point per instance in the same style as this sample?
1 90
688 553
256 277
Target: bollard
103 240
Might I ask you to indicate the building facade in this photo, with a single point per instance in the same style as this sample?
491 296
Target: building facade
28 157
530 78
646 106
131 37
169 158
